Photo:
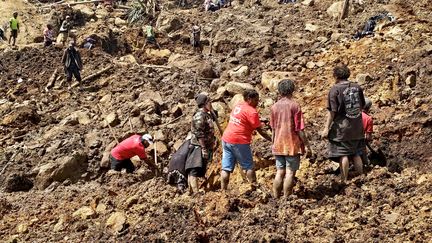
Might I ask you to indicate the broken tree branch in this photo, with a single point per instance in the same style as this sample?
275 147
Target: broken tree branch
92 76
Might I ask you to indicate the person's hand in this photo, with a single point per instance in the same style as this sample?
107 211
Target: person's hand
205 153
324 133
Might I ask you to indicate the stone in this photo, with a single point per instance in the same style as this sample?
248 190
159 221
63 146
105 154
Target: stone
153 95
310 65
84 213
309 3
311 27
148 106
119 22
161 148
159 136
271 79
411 80
237 87
335 9
116 222
243 52
220 108
101 208
22 228
128 59
320 64
131 201
59 226
82 117
111 120
168 23
92 140
235 100
363 78
177 110
239 72
105 162
69 167
206 70
105 99
162 53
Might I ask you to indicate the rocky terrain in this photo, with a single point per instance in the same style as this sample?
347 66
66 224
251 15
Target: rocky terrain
55 141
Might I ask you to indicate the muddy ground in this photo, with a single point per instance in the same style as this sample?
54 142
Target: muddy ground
54 140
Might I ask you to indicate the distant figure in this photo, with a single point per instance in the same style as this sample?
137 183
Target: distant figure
64 30
212 5
196 36
14 25
150 36
48 35
72 63
89 43
344 127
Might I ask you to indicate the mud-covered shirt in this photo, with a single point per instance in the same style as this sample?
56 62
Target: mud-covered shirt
202 127
346 100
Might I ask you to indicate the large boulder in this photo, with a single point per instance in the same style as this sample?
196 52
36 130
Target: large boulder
168 23
270 80
235 100
116 222
335 9
69 167
237 87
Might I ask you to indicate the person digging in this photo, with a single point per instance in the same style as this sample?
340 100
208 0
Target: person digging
135 145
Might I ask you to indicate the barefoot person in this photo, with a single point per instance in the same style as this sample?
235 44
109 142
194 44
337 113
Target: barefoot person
289 138
237 138
202 141
343 126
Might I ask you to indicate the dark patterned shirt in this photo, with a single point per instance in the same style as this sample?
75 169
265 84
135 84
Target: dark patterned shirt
202 127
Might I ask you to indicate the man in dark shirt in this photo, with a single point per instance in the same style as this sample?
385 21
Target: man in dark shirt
72 63
344 127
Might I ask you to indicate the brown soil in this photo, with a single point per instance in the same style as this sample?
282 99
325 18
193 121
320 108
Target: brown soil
390 203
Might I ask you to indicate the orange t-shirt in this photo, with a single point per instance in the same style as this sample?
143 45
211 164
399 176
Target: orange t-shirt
244 119
286 121
128 148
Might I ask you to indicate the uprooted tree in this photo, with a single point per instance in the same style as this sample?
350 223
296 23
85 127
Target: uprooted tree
140 10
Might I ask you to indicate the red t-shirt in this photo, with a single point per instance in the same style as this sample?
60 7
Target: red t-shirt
286 121
367 123
244 119
128 148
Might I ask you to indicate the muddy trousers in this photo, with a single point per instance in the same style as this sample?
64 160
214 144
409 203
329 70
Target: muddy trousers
72 71
118 165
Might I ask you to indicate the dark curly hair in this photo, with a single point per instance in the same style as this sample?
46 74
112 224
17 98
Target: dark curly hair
286 87
341 72
250 94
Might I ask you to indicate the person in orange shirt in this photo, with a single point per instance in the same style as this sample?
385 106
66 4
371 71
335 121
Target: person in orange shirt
289 138
367 127
237 138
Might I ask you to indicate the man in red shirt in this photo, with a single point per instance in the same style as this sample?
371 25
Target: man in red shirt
128 148
289 139
236 139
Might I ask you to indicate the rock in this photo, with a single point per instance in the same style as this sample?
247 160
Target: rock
159 136
243 52
84 213
320 64
60 223
177 110
168 23
153 95
239 72
335 9
268 51
148 106
82 117
271 79
105 162
311 27
22 228
119 22
310 65
206 70
162 53
68 167
105 99
131 201
17 183
111 120
411 80
309 3
233 60
237 87
116 222
161 148
20 116
101 208
220 108
235 100
396 33
363 78
128 59
92 140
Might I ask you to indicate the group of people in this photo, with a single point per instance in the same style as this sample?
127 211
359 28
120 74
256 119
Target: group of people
348 128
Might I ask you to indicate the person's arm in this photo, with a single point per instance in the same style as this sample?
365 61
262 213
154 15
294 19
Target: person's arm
264 133
305 140
329 120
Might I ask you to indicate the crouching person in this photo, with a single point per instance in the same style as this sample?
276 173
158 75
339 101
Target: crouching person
202 142
134 145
